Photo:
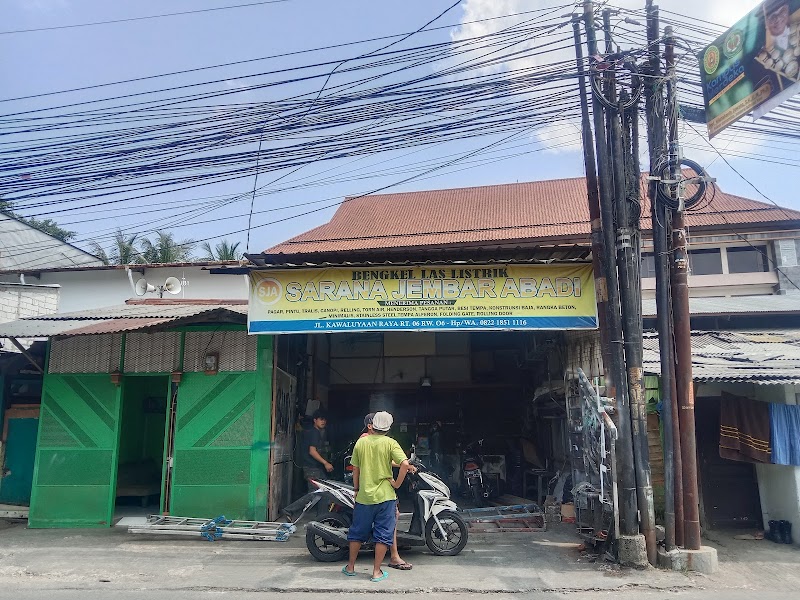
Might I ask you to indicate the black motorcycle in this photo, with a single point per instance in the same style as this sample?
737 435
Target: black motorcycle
473 482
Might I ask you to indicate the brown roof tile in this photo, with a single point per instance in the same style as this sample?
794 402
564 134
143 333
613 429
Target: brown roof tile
554 210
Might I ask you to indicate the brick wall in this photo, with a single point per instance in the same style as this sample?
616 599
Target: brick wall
18 301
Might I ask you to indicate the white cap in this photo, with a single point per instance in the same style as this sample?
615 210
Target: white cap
382 421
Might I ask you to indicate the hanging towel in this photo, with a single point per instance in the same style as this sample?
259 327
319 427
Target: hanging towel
744 431
785 425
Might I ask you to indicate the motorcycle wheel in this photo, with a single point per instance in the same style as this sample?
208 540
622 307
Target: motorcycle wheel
477 495
320 549
456 530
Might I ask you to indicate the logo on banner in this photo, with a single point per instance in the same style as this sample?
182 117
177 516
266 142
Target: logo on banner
269 291
711 59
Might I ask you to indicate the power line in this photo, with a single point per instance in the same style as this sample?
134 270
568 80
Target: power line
146 18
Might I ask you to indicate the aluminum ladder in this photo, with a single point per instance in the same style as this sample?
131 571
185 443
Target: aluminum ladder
215 529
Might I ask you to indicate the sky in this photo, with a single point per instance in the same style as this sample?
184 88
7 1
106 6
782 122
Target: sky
53 60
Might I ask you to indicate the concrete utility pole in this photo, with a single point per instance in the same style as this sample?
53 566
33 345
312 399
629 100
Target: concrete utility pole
683 333
593 199
660 217
631 544
626 167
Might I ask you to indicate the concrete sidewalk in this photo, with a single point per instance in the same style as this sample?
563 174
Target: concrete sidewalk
113 559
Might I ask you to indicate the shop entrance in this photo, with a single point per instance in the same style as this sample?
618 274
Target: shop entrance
446 392
141 444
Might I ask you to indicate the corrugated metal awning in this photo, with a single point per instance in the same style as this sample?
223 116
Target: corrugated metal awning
735 305
738 356
123 318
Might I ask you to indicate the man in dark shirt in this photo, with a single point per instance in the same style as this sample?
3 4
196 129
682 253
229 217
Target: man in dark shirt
316 450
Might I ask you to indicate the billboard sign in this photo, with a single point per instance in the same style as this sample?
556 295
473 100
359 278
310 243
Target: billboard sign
754 66
422 298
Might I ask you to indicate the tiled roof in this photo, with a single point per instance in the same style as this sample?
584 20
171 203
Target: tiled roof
554 210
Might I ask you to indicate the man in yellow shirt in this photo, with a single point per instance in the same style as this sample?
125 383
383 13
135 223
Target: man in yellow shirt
375 511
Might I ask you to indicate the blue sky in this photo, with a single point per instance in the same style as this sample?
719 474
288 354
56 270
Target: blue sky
46 61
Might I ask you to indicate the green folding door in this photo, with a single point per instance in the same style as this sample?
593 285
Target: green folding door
76 455
221 450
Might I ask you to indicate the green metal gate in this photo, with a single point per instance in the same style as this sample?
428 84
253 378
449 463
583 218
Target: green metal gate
76 454
221 451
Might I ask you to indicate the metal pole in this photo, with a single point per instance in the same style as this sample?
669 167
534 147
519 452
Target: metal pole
616 384
593 198
654 104
683 330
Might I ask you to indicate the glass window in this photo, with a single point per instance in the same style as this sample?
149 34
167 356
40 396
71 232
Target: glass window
705 262
748 260
648 265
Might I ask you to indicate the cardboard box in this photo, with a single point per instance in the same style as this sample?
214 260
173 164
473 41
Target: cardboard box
567 511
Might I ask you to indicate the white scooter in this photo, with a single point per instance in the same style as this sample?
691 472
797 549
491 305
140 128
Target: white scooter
435 521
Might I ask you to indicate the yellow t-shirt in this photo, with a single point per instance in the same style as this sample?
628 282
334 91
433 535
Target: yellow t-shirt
373 455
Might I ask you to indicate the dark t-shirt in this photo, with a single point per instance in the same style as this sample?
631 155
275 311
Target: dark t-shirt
319 439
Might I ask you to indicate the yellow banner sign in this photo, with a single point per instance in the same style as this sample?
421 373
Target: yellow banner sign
412 298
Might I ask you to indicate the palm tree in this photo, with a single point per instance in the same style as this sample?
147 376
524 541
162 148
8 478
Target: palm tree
222 251
165 249
124 251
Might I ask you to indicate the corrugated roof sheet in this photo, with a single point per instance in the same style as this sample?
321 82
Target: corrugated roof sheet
540 210
735 305
118 319
758 356
25 247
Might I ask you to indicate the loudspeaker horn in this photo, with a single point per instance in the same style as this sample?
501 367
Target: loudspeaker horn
142 287
173 285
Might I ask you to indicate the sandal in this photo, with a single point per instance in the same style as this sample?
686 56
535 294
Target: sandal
403 566
384 575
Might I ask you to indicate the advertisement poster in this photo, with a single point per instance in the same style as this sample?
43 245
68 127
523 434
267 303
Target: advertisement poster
754 66
429 298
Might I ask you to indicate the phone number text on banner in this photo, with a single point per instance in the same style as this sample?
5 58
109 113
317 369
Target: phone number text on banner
513 297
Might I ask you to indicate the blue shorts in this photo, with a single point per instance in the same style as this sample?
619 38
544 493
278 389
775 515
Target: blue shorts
375 520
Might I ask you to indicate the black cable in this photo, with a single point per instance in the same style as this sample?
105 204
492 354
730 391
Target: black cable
128 20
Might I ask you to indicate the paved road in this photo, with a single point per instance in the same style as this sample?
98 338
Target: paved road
67 594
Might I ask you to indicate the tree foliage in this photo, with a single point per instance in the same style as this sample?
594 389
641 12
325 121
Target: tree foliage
225 250
164 248
124 251
47 226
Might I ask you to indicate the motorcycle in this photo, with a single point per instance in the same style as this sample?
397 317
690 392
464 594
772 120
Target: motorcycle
472 475
435 521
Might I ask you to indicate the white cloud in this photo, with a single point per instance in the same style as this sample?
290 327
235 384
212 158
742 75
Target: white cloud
723 12
44 6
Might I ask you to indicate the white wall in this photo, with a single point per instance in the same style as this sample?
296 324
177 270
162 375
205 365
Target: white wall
84 290
779 485
18 301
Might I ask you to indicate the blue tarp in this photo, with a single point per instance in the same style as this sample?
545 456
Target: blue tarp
785 429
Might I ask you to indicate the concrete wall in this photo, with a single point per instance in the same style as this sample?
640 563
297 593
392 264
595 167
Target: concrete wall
784 270
787 255
84 290
779 485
